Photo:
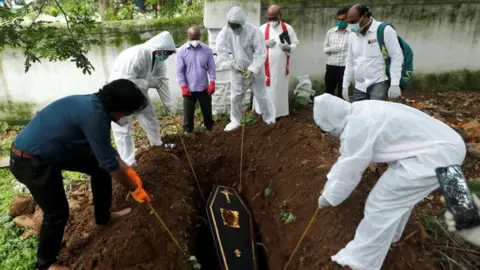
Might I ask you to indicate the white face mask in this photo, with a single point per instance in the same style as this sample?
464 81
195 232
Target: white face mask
194 43
122 121
274 23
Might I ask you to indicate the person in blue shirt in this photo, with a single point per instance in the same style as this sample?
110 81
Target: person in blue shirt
73 134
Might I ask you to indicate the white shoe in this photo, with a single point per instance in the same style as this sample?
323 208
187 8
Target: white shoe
231 126
270 122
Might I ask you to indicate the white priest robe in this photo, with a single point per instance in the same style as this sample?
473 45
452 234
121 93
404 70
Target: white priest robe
277 67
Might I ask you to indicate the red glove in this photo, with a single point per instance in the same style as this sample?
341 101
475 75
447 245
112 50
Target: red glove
140 195
211 88
185 91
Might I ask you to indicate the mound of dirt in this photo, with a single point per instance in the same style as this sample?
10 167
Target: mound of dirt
22 205
137 241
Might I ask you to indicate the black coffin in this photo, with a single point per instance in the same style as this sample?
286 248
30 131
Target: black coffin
232 228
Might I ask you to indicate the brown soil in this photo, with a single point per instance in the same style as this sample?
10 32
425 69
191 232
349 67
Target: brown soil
291 158
22 205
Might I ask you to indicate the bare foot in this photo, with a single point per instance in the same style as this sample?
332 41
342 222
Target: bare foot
121 213
57 267
115 216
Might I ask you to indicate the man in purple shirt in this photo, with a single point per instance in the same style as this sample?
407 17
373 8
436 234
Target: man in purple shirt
195 65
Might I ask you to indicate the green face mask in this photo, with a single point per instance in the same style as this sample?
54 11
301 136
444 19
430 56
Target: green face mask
161 57
342 24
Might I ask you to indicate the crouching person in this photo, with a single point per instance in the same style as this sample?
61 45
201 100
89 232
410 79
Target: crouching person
411 142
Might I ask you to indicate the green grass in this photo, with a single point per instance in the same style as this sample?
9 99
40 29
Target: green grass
15 253
475 186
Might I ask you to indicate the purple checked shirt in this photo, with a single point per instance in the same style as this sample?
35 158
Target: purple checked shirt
195 66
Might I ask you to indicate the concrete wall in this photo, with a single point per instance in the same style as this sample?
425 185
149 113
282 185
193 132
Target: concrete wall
444 36
49 81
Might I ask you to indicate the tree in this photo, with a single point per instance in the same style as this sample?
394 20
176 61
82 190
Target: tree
46 40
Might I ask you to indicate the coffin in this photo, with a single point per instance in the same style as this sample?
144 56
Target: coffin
231 224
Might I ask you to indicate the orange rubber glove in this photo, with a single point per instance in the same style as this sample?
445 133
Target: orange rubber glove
140 195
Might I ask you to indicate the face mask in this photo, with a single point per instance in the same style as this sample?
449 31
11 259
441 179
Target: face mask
122 121
238 30
342 25
274 23
194 43
161 57
356 28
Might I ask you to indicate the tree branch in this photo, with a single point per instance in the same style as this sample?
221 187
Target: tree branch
39 12
66 18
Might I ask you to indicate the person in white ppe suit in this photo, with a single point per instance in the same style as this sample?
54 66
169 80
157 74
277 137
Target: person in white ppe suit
145 65
413 145
277 64
245 42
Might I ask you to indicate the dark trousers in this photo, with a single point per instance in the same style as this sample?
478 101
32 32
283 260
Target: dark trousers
378 91
334 80
205 101
44 181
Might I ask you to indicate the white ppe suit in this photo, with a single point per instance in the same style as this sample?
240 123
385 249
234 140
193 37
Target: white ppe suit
139 65
249 53
411 142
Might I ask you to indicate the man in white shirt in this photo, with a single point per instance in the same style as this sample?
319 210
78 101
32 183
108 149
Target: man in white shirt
336 47
277 64
365 62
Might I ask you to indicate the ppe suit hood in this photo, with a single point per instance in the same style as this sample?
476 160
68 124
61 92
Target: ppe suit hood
162 41
236 15
330 113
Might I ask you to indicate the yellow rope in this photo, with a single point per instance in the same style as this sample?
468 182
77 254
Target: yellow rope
301 238
303 235
191 166
166 228
241 158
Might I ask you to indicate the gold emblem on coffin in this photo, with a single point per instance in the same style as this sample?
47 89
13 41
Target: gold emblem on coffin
237 252
227 194
230 218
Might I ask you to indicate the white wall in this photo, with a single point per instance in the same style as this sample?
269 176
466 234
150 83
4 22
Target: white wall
443 37
49 81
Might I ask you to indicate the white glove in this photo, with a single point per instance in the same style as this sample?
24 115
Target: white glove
153 83
247 74
323 203
394 91
270 43
345 94
285 47
472 235
172 110
236 67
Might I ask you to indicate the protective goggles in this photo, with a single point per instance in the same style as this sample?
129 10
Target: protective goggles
234 26
164 52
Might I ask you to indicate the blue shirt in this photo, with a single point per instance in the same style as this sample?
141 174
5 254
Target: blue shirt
67 126
194 66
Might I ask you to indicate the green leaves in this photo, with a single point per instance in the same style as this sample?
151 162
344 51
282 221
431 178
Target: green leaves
46 40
